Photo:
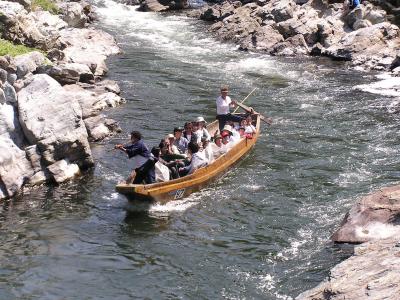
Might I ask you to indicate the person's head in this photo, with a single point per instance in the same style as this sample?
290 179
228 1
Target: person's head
136 136
243 122
195 126
218 140
170 138
178 132
193 147
201 122
224 91
227 130
241 131
225 138
188 127
163 147
249 120
156 151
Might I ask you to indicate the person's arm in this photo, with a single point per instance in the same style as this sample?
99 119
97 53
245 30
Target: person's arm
134 149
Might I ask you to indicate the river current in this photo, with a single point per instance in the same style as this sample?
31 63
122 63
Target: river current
261 232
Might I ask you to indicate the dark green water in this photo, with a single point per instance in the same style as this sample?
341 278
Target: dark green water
262 232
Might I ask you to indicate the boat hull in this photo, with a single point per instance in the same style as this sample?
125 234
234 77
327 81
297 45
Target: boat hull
182 187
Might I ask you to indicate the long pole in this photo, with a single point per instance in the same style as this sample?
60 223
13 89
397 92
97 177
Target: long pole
245 99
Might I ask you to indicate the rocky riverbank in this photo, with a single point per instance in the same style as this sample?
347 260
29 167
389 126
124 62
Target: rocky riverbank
367 37
51 99
373 271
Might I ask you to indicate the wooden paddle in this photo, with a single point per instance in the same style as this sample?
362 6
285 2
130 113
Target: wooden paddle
252 111
245 99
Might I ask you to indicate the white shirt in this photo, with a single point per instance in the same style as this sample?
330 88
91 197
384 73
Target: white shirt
249 129
198 161
218 151
235 136
208 153
223 105
162 172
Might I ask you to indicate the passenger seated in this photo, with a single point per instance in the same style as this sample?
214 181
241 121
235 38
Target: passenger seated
161 164
180 142
249 129
227 142
217 147
202 128
207 150
242 132
172 149
197 160
234 136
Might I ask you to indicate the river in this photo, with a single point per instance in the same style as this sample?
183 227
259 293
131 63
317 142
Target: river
261 232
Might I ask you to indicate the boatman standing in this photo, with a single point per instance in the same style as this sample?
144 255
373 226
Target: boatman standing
144 162
224 102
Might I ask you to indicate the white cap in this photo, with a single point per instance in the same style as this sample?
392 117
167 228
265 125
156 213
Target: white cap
200 119
227 128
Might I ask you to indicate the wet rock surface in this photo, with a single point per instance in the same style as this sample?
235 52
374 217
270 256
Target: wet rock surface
372 273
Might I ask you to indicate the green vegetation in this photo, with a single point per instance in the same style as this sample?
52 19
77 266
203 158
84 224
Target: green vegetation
9 48
48 5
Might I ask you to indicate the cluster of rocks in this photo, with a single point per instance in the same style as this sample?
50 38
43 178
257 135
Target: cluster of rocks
362 36
373 271
50 105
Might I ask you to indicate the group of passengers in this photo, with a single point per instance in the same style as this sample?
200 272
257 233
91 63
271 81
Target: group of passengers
183 152
189 148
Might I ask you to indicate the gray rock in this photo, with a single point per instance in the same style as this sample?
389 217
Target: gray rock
15 169
9 124
11 78
9 91
375 216
361 24
89 47
152 5
73 13
263 39
3 76
28 63
93 100
25 3
33 155
372 273
292 46
63 170
100 127
52 118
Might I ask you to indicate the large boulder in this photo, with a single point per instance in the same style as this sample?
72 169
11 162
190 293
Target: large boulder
372 273
63 170
52 118
263 39
380 40
48 24
293 46
89 47
374 217
238 26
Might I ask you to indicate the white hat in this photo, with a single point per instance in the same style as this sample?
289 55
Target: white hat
227 128
200 119
169 136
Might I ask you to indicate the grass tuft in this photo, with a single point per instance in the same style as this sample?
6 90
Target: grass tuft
9 48
48 5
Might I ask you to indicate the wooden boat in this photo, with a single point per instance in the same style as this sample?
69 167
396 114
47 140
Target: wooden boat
163 192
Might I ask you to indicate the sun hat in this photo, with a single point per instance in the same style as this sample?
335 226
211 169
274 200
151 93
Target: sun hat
227 128
217 136
169 136
200 119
